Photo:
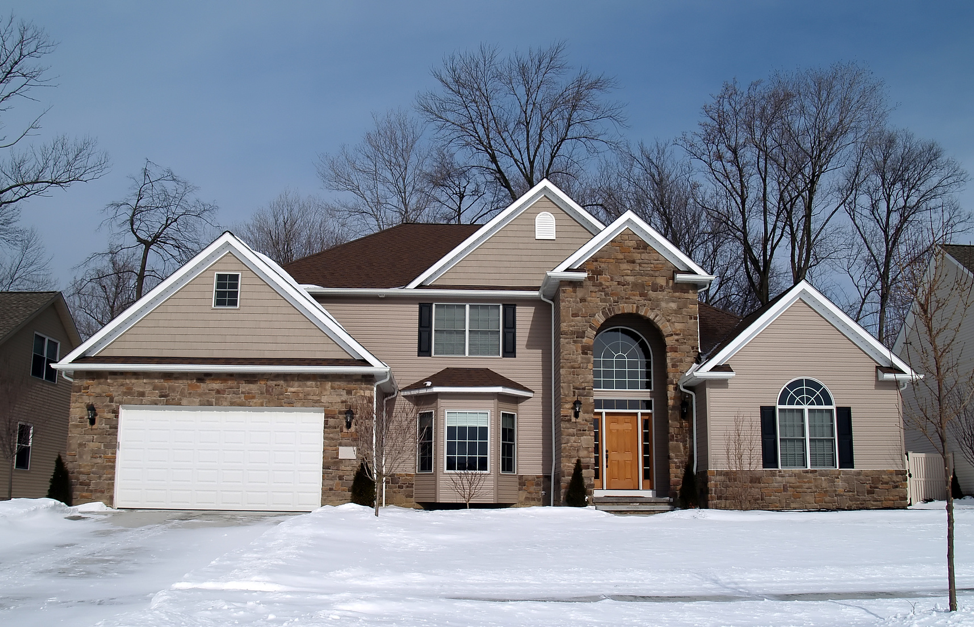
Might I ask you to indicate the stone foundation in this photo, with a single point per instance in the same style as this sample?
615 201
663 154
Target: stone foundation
805 489
91 449
531 490
399 490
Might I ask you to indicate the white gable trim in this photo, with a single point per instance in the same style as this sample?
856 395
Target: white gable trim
651 236
260 265
544 188
824 307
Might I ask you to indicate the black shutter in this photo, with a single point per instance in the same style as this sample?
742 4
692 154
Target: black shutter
769 438
844 427
510 331
425 348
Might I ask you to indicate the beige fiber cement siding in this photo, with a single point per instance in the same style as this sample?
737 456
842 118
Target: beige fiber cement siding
513 257
187 325
800 343
42 404
389 327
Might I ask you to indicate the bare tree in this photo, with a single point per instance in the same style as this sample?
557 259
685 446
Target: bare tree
293 226
105 288
34 170
13 394
906 190
384 178
24 265
468 484
932 343
458 193
160 219
522 118
385 439
741 450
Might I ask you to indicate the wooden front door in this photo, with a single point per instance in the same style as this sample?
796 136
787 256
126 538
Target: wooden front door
622 463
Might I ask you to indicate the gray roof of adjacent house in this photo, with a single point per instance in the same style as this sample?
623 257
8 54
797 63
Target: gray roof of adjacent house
964 254
19 308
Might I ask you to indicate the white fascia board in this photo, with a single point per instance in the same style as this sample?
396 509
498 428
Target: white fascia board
553 279
468 390
260 265
694 376
399 291
825 308
897 376
544 188
650 235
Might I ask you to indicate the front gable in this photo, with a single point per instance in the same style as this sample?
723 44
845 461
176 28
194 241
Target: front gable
264 325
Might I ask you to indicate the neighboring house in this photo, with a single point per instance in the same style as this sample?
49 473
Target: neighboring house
521 345
36 330
954 296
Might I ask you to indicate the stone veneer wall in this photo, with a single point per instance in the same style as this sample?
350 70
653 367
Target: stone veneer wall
626 277
808 489
531 490
91 450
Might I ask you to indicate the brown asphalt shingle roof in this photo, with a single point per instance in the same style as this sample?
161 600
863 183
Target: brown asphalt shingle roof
17 307
715 325
389 258
466 378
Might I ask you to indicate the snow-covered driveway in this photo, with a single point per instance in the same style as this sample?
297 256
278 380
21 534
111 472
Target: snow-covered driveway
533 566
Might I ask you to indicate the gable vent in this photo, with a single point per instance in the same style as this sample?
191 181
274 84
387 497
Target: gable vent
544 226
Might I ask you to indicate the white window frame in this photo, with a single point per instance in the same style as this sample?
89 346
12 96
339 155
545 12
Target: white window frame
808 443
466 329
239 290
500 444
446 440
29 447
47 341
432 442
542 223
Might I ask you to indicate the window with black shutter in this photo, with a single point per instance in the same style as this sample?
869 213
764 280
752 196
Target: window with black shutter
844 427
769 438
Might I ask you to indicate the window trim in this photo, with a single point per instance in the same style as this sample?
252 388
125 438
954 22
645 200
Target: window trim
446 440
466 329
432 442
47 360
216 276
649 369
513 470
807 437
29 447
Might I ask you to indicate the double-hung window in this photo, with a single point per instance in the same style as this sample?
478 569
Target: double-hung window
806 426
226 290
508 442
25 437
424 442
467 438
467 330
45 354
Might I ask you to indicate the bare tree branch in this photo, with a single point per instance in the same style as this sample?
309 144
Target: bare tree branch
291 227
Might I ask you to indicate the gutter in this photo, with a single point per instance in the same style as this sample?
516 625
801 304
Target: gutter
315 290
682 387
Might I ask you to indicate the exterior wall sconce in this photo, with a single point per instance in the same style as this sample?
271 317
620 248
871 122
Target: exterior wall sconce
91 414
577 408
349 414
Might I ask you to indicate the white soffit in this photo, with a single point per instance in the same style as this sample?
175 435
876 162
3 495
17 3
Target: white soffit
544 188
260 265
824 307
651 236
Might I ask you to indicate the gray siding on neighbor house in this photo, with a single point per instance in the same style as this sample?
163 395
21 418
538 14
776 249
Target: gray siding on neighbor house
265 325
513 257
800 343
389 328
40 403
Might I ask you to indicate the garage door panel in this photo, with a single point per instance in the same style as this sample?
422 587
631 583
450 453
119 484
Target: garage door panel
209 458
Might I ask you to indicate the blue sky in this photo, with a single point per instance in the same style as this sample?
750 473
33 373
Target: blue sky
240 97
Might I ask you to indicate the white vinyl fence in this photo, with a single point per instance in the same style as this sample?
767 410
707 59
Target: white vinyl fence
926 480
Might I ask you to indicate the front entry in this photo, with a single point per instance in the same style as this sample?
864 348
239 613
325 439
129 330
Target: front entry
623 450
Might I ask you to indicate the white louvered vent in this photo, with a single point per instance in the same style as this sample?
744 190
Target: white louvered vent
544 226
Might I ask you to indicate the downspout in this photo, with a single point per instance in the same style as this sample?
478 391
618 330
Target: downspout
375 409
394 396
692 394
553 409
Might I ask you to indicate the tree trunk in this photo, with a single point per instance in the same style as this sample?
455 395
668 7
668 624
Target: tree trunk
378 478
951 582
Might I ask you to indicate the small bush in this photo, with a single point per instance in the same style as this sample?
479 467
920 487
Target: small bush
363 488
688 489
955 491
60 488
575 496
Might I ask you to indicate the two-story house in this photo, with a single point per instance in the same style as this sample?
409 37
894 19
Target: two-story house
522 345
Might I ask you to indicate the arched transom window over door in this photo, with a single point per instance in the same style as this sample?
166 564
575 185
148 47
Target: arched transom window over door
622 361
806 425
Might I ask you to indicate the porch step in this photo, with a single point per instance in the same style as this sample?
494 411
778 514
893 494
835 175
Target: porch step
632 504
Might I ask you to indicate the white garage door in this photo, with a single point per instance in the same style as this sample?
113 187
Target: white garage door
214 458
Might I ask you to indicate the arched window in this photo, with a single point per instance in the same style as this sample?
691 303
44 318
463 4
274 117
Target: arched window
806 425
622 361
544 226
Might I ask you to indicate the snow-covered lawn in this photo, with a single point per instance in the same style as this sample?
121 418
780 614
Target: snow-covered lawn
533 566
